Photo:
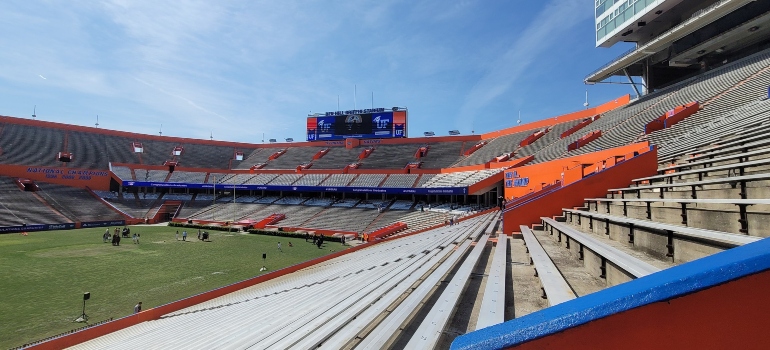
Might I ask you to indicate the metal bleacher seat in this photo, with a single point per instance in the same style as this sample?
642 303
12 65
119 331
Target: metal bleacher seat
555 287
495 147
431 328
737 168
492 310
285 179
367 180
665 240
337 180
310 179
400 180
124 173
381 334
187 177
660 189
607 258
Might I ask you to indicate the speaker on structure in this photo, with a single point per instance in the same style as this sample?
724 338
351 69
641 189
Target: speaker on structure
86 295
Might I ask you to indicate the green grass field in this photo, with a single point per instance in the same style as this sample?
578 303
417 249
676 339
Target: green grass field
43 275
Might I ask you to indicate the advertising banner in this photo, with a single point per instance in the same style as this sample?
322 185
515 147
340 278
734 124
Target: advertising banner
442 190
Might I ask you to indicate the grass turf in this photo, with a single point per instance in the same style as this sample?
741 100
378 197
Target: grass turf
43 276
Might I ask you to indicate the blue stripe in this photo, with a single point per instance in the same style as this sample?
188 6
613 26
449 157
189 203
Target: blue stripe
664 285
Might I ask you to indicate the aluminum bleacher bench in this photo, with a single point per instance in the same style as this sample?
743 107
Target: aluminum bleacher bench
741 203
746 135
741 157
555 288
625 262
338 314
739 166
492 309
715 237
364 318
348 328
391 324
742 180
431 328
738 145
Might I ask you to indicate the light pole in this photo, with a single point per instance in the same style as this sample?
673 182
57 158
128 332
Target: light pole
214 201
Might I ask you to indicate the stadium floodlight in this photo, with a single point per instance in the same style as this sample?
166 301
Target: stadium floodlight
34 112
429 133
454 132
289 139
272 140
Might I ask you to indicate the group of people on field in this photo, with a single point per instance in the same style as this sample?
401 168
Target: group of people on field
202 235
117 234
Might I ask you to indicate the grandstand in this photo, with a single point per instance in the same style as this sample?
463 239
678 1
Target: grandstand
602 215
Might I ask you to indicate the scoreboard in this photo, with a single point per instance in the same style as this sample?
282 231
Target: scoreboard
365 124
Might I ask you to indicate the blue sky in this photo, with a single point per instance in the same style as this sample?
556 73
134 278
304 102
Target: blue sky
238 69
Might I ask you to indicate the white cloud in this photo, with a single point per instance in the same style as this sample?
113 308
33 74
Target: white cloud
554 21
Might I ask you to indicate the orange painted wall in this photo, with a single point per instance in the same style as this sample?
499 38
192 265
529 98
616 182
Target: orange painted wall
549 172
729 316
485 185
618 102
80 178
573 194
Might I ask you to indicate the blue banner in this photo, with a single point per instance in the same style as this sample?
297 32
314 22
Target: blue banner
421 190
103 223
41 227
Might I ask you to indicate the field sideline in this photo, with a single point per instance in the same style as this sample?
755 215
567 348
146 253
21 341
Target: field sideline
43 275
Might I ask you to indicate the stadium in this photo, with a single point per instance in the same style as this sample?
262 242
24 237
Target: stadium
632 224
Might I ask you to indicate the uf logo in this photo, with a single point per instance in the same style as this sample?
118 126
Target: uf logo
380 123
324 126
521 182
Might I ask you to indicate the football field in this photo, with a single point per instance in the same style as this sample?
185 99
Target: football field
43 275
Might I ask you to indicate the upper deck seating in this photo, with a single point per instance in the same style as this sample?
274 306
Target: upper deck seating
187 177
293 157
367 180
337 180
496 147
259 155
124 173
285 179
337 158
29 145
311 179
626 124
400 180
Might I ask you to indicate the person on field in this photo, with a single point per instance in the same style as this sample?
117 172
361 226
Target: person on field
138 307
184 235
